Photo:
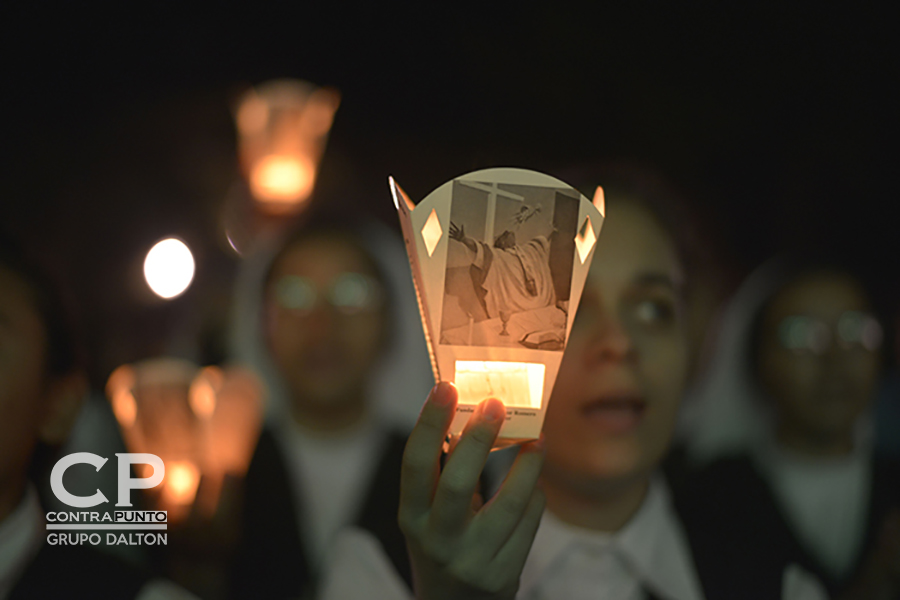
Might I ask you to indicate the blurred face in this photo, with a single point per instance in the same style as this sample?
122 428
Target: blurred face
325 321
22 341
819 356
613 408
505 240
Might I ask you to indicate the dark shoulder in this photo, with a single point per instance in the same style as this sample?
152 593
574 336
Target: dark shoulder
738 539
886 471
78 572
728 479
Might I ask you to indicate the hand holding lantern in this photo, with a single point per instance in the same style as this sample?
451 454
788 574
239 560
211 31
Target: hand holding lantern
458 548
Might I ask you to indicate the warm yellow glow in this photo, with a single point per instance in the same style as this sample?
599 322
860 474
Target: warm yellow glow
169 268
283 127
253 115
203 393
119 388
282 181
318 113
516 384
182 479
432 232
600 201
202 399
585 239
124 407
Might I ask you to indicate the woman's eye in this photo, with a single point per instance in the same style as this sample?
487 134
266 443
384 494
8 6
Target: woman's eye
654 312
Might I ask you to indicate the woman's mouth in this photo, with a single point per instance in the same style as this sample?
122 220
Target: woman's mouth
619 413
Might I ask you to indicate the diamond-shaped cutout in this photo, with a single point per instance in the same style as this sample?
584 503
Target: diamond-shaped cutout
585 239
432 232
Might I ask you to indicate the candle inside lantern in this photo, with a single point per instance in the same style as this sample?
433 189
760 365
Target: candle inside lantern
282 130
516 384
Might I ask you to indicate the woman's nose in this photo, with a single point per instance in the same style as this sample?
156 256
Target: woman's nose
610 341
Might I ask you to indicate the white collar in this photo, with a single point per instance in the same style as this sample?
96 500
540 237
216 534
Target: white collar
20 539
652 543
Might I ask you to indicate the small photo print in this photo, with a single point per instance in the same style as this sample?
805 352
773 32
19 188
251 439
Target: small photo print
509 265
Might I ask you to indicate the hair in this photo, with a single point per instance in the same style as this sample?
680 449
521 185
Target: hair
647 186
62 350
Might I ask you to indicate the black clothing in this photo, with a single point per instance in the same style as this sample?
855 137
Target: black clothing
76 572
741 541
271 560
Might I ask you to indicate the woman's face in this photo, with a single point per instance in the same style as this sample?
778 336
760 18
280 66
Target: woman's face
819 355
325 320
614 405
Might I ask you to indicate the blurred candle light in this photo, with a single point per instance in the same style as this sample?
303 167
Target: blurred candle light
203 424
182 480
282 179
202 395
169 268
282 127
119 389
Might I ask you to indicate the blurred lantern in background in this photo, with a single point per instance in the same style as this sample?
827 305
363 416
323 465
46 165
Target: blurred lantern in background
203 424
282 127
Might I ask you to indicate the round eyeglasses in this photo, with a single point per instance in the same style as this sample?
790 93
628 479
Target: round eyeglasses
349 293
853 329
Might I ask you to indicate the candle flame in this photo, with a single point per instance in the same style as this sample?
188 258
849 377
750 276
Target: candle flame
516 384
182 479
282 181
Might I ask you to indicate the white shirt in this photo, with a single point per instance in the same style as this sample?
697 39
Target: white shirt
21 537
649 552
826 501
565 562
329 475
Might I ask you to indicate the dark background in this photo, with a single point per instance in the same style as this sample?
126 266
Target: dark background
781 121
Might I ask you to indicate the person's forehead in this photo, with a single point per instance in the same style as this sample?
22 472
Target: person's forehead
824 295
633 248
321 257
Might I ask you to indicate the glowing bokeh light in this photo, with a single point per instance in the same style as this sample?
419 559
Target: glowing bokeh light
169 268
282 180
513 383
283 127
202 395
182 479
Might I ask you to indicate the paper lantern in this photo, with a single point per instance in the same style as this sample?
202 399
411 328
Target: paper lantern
499 259
202 423
282 127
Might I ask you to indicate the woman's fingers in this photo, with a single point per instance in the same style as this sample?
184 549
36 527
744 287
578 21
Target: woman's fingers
495 523
421 457
511 557
460 477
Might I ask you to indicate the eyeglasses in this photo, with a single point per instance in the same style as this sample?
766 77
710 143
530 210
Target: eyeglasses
853 329
349 293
